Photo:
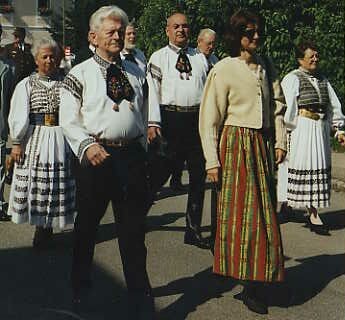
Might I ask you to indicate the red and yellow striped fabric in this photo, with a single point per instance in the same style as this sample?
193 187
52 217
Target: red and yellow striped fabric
248 243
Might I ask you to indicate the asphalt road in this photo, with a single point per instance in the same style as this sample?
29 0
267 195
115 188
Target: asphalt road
34 285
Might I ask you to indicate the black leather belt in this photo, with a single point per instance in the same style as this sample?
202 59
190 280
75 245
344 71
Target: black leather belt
117 143
174 108
44 119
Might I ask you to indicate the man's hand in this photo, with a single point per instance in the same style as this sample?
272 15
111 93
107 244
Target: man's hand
213 174
17 153
341 139
152 133
280 155
96 154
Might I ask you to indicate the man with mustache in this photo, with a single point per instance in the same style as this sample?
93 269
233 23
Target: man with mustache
102 116
176 77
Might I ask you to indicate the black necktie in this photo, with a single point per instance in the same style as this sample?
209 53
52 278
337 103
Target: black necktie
130 57
183 64
118 86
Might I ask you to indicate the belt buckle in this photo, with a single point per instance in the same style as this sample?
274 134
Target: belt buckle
49 119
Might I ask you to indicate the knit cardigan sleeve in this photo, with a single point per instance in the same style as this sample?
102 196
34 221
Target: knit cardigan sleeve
213 108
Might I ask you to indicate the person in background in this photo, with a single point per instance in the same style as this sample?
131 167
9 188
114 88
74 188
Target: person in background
130 52
243 138
206 45
6 87
43 190
176 77
20 53
312 110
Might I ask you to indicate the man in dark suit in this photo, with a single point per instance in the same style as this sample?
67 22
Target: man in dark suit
6 79
20 53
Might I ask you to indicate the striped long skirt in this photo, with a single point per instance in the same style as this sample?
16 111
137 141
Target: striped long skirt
248 243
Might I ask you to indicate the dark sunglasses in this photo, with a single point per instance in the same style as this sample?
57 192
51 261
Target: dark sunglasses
250 32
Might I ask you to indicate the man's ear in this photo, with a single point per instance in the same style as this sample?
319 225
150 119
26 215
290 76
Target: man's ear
167 31
92 36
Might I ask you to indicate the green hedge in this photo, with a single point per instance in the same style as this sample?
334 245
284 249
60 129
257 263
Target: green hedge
286 21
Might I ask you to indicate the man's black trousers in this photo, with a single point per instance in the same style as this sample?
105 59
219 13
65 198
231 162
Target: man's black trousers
121 179
180 129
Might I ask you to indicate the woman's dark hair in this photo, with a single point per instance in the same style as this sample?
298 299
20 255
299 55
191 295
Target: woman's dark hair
235 29
302 46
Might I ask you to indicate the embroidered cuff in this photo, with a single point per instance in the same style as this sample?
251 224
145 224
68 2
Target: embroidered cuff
84 145
154 124
16 142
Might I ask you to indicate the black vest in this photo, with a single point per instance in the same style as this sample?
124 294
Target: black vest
308 96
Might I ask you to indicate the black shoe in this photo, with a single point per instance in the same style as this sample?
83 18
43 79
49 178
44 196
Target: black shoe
195 238
286 214
42 237
255 305
4 216
176 185
321 229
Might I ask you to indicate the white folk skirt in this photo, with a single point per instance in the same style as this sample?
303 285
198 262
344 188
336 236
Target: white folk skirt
309 169
282 174
43 189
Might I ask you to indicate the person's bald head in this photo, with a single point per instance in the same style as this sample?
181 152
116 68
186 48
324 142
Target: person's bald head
177 29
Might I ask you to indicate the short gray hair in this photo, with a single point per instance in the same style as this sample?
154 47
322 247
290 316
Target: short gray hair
45 42
206 31
107 12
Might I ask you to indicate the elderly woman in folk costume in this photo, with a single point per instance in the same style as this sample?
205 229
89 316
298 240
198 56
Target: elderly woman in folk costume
43 189
243 106
312 110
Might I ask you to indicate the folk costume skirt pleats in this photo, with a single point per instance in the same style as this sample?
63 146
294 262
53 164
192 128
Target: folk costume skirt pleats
309 172
248 243
43 188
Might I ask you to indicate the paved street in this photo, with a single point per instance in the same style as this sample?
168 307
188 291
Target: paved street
34 285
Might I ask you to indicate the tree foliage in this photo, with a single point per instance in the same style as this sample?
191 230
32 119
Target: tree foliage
286 21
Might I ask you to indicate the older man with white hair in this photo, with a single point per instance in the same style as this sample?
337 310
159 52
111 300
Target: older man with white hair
102 117
206 45
130 52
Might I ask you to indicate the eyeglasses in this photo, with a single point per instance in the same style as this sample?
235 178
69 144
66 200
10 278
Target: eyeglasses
250 32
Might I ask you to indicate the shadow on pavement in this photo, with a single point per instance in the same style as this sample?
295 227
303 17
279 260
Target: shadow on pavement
161 223
154 222
307 279
167 192
317 272
335 220
195 291
34 285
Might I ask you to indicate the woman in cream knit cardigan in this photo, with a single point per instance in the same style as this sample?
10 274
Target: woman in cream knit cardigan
243 137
